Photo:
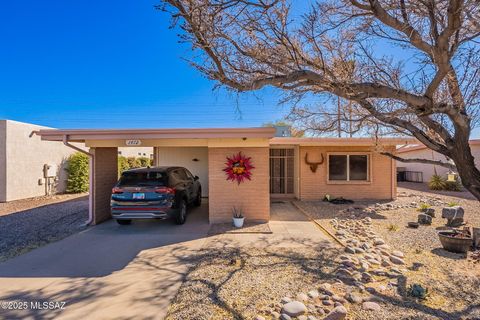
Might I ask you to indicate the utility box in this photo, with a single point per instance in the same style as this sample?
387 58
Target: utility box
50 170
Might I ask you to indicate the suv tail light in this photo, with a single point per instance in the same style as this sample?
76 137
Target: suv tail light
166 190
117 190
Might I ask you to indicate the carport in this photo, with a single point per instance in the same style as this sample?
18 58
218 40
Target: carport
203 151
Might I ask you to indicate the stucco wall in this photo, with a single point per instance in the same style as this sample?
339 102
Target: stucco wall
25 157
183 157
314 186
252 196
427 169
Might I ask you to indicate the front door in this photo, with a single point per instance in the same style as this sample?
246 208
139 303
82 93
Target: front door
282 171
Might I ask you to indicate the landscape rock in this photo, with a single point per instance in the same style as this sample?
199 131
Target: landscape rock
430 212
397 253
353 298
313 294
452 212
294 309
285 316
424 219
369 305
338 313
397 260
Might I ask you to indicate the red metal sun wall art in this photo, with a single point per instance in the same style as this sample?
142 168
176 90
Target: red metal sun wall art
238 168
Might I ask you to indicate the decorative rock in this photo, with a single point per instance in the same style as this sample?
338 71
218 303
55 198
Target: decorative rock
455 222
327 302
368 305
301 297
424 219
413 225
359 250
313 294
337 298
275 315
285 316
452 212
286 300
430 212
294 309
338 313
312 317
259 318
397 260
349 250
325 287
397 253
378 241
302 317
353 298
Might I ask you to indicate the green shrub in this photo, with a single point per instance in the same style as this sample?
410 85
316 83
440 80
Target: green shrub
145 162
453 185
437 182
77 170
452 204
122 165
423 207
133 163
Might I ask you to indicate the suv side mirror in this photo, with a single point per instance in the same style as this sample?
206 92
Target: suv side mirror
196 178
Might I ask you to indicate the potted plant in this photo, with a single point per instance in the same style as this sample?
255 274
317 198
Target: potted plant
458 241
238 217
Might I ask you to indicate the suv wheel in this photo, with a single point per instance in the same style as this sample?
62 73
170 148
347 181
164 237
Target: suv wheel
198 200
123 221
182 213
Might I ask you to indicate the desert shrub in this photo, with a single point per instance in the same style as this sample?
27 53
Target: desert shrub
437 182
453 185
423 207
122 164
418 291
145 162
77 170
392 227
452 204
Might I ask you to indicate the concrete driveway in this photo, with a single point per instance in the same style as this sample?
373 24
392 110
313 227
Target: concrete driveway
107 271
122 272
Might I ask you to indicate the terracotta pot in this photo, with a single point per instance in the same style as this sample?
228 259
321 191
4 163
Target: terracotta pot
452 244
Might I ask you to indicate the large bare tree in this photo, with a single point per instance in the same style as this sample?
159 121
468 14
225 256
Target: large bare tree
410 65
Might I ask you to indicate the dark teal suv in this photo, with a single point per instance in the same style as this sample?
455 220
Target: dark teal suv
155 193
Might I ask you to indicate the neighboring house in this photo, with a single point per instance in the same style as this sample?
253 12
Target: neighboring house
284 167
419 151
136 152
23 159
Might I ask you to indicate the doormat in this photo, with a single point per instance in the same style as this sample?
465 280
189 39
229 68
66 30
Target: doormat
248 227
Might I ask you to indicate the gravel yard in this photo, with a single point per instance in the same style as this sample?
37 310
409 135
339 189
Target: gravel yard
243 283
453 280
31 223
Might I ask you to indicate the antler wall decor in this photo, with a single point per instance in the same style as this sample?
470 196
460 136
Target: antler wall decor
313 165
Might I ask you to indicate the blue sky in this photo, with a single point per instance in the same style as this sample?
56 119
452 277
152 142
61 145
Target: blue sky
106 64
111 64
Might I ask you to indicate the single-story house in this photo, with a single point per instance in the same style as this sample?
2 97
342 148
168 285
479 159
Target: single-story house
420 151
244 167
24 160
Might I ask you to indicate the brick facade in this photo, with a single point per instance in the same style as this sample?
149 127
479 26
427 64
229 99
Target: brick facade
106 175
314 186
252 196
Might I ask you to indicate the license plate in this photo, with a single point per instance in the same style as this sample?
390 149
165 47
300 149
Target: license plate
138 196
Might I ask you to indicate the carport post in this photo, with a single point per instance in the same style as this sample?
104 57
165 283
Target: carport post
91 169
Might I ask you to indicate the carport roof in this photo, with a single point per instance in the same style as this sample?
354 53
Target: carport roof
323 141
81 135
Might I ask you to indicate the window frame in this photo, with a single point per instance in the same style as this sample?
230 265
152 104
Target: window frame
348 154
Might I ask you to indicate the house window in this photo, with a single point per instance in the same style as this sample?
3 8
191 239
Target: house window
348 167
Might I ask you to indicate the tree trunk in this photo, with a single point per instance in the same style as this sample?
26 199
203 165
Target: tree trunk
468 172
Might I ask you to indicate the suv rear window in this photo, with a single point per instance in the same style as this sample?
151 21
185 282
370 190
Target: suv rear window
143 179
